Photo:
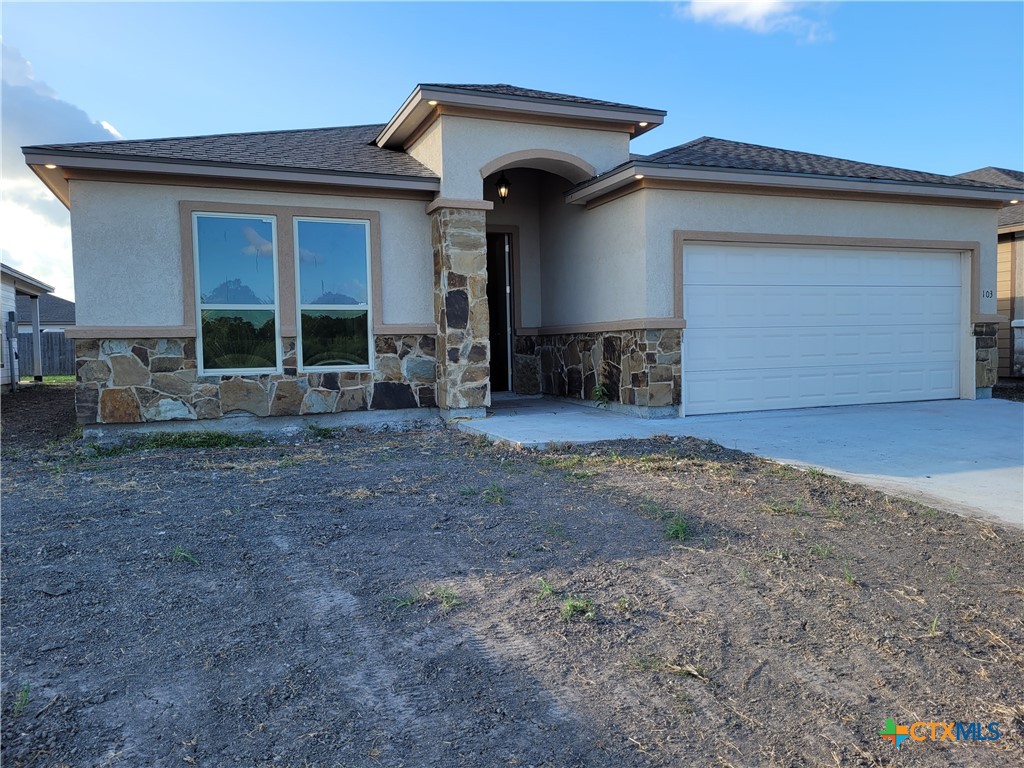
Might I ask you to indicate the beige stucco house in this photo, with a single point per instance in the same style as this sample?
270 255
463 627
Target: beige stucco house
20 295
1009 272
380 267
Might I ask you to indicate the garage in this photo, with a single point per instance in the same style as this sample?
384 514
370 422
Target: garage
781 326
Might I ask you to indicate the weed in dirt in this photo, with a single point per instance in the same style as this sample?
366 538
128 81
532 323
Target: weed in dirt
822 550
181 441
816 472
21 700
954 575
645 662
654 510
413 598
848 577
599 395
578 607
468 490
494 494
743 577
778 553
316 432
623 605
933 630
795 507
446 598
180 554
288 461
678 529
580 474
546 590
688 670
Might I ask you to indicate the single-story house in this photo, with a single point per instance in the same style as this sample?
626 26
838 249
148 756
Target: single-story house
16 286
55 313
490 238
1009 272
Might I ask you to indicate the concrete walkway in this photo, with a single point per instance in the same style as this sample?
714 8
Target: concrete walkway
958 455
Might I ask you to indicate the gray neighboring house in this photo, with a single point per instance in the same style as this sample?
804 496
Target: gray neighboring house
490 239
55 313
1010 275
16 286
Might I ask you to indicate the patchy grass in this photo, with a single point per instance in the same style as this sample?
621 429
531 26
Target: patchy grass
581 608
175 441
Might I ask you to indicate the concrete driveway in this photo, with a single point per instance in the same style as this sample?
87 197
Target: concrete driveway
958 455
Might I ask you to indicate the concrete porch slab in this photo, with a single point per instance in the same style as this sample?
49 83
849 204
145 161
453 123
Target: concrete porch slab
961 456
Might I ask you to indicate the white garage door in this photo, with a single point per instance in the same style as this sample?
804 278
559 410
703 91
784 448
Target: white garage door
792 327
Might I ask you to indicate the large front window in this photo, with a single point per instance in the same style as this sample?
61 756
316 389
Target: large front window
333 292
236 271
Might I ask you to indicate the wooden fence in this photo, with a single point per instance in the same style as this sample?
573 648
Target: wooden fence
58 354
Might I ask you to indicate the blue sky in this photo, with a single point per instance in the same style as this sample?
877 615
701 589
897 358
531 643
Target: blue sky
933 86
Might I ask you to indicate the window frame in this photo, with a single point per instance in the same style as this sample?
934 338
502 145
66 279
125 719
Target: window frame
299 306
199 305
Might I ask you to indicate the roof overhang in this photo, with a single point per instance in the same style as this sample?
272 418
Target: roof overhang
640 175
66 163
426 104
25 284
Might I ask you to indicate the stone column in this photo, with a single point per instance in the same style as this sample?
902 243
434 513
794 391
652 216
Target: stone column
986 356
459 239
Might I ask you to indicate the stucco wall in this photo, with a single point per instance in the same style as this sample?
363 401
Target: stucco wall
127 250
468 144
593 262
667 210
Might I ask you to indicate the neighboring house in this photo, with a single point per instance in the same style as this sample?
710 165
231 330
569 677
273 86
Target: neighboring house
14 287
1010 279
492 238
55 313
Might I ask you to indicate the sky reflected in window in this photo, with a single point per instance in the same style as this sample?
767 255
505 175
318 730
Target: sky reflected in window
332 262
236 260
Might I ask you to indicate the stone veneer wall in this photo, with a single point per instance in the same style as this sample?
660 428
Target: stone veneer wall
637 367
140 380
459 242
986 354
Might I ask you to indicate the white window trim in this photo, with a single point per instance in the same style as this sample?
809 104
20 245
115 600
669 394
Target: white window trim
299 305
276 307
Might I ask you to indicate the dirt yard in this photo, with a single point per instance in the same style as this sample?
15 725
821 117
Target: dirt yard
422 599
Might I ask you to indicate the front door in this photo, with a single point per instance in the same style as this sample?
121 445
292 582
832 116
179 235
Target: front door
499 303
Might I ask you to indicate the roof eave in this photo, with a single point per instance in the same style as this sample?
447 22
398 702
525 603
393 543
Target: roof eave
38 158
417 110
623 175
25 284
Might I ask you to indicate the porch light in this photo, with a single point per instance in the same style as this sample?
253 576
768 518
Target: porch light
643 124
503 187
1012 202
51 166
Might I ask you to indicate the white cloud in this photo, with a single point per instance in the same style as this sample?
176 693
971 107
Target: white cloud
36 226
761 16
111 129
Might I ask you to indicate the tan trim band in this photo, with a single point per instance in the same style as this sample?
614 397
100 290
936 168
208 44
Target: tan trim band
183 180
783 191
399 329
455 202
640 324
130 332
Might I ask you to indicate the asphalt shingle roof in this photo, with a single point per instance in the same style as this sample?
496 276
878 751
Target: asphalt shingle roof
503 89
709 152
52 309
1011 215
331 150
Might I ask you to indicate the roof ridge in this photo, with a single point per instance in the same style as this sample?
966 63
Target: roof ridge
229 134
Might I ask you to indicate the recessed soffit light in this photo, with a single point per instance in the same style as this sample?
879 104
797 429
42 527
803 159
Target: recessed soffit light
643 124
51 166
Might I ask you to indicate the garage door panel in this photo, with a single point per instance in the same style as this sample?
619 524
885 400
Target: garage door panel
766 348
723 306
785 327
775 265
726 392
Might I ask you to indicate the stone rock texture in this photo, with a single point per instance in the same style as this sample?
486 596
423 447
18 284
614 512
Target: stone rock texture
635 367
986 354
459 242
136 380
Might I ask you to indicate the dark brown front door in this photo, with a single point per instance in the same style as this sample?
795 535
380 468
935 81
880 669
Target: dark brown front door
499 304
